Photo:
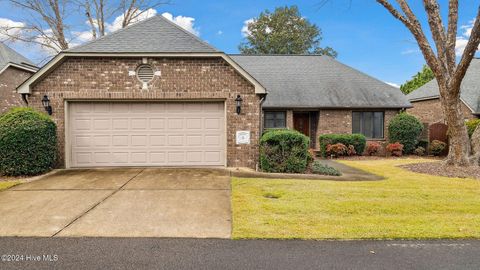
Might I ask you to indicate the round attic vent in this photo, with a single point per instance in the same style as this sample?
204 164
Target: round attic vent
145 73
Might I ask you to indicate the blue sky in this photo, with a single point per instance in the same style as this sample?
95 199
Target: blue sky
361 31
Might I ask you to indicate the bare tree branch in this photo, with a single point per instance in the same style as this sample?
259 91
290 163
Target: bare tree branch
52 14
394 12
438 32
452 33
468 53
449 76
412 23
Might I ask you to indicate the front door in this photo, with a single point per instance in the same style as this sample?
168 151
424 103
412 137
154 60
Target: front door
301 123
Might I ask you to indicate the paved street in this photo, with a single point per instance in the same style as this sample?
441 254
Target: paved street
164 253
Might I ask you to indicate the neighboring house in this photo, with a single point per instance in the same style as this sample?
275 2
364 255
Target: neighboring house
426 99
153 94
14 69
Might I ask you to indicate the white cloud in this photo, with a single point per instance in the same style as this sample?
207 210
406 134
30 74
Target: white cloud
393 84
186 23
10 28
245 31
80 38
220 32
462 40
410 51
117 23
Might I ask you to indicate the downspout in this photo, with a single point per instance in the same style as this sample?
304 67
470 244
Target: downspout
262 100
25 98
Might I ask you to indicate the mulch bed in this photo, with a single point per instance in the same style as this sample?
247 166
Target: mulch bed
438 168
11 178
385 157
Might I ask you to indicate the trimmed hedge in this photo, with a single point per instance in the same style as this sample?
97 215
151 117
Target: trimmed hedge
28 142
405 129
357 140
284 151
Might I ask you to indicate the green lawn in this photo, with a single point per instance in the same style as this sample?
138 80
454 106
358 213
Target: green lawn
8 184
405 205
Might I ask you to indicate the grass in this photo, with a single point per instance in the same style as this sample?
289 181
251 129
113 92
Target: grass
8 184
406 205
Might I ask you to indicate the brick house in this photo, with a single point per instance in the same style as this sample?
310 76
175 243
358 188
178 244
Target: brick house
14 69
153 94
426 99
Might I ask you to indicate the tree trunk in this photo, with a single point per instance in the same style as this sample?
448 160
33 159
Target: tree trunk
459 146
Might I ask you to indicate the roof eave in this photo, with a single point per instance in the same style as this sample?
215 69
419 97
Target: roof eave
399 107
24 88
15 65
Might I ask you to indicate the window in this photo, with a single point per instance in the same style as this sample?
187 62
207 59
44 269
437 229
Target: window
275 120
369 124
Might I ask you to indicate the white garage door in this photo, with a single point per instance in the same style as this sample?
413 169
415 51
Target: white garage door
147 134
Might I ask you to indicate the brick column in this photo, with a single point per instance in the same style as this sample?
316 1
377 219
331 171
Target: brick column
290 119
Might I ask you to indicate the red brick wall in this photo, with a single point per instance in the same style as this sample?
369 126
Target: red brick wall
181 79
340 121
430 111
9 80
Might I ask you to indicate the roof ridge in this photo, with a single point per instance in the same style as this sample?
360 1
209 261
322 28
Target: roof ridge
140 23
185 31
240 54
109 35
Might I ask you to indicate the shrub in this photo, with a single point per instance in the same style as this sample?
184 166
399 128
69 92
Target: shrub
337 150
28 142
284 151
422 143
372 148
351 150
357 140
395 149
419 151
405 129
437 147
472 125
319 168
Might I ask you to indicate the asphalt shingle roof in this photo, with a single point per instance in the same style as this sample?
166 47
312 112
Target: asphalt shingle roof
8 55
305 81
470 88
154 35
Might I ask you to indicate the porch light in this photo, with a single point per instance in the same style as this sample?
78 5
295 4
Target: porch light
46 105
238 101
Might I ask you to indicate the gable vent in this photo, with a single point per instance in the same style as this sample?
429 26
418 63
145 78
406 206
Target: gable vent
145 73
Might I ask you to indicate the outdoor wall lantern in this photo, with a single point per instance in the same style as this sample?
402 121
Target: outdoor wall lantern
238 101
46 105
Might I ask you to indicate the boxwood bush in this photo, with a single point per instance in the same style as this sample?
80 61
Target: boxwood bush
405 129
28 142
357 140
284 151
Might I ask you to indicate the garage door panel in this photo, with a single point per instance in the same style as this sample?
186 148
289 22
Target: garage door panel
157 123
120 124
147 134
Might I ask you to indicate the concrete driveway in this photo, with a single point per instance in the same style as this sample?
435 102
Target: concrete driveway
127 202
